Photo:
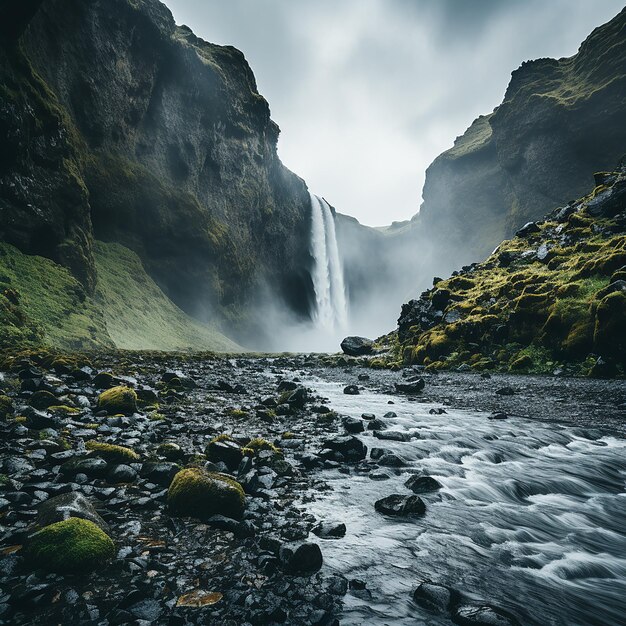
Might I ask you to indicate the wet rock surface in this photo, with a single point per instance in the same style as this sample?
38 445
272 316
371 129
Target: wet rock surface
265 563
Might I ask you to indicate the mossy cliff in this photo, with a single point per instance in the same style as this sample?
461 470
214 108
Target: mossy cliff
553 297
123 127
559 120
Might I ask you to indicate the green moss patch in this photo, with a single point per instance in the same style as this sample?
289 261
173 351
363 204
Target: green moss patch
194 492
6 406
71 546
118 400
42 303
112 453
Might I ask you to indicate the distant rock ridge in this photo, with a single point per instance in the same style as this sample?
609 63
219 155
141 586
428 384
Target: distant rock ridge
559 120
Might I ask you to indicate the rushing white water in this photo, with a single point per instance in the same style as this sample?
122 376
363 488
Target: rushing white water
327 274
530 517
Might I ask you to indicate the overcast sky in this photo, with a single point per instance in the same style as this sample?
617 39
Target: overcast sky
368 92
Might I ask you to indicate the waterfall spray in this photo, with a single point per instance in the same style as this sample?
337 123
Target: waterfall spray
327 273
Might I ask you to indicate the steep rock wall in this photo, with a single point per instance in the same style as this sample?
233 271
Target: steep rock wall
130 129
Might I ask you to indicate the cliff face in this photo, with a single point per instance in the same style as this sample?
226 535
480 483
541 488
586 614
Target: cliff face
123 127
560 120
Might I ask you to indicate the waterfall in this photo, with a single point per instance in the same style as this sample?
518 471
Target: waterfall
327 274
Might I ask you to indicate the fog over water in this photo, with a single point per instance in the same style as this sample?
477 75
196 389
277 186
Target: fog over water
368 92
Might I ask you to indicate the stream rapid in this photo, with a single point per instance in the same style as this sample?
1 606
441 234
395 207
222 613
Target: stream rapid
531 516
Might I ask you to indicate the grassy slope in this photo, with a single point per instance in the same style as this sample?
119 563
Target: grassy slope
41 303
138 314
51 308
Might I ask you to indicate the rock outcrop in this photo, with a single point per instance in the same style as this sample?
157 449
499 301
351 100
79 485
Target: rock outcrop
550 300
119 125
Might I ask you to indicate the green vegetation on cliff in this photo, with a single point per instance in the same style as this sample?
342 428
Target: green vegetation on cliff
41 303
553 296
138 315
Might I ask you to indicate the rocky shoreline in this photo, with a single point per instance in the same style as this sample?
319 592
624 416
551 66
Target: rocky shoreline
248 420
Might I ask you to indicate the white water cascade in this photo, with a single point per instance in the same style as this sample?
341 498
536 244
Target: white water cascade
331 311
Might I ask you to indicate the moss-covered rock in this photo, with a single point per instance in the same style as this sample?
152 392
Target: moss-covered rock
64 409
6 406
71 546
117 400
197 493
522 362
609 335
259 444
112 453
170 451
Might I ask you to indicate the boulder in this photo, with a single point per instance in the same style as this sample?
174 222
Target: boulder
297 398
400 505
71 546
161 473
301 558
42 400
119 399
417 386
376 424
71 504
422 484
170 451
389 459
92 467
103 380
353 425
227 451
194 492
434 597
122 474
351 390
350 447
357 346
329 530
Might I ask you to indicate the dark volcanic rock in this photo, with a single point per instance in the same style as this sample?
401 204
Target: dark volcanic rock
392 435
68 505
351 390
352 448
434 597
389 459
416 386
397 504
326 530
353 425
422 484
301 558
357 346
